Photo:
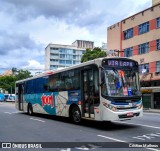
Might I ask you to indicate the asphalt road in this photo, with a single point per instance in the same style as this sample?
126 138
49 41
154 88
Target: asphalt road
17 126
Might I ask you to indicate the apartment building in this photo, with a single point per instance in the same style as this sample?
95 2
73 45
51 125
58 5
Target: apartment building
60 56
83 44
138 37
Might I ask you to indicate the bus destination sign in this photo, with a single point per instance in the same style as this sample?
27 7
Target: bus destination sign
119 63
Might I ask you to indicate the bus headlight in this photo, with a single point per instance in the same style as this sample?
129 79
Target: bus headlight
110 106
139 106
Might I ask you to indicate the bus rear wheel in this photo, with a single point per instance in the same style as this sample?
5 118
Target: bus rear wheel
76 115
30 109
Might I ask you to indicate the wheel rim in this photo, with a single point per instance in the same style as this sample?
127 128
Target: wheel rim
76 116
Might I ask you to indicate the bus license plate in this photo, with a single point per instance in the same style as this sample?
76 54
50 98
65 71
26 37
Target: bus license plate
130 114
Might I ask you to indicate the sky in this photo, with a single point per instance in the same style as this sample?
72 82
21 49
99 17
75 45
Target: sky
28 26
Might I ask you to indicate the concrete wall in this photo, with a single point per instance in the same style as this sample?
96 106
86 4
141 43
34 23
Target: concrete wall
154 2
114 36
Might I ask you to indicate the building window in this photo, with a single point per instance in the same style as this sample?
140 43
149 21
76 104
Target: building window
76 62
52 48
143 48
54 55
143 28
61 61
158 66
144 68
69 57
158 22
62 56
128 52
158 44
62 51
68 62
128 33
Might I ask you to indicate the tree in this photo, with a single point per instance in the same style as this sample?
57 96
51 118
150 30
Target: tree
95 53
14 71
8 82
23 74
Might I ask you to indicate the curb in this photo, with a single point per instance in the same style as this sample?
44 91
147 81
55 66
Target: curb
151 111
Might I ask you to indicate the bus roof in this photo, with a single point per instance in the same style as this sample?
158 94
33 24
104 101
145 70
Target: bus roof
95 61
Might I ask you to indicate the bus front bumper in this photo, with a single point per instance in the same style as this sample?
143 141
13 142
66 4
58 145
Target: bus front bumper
109 115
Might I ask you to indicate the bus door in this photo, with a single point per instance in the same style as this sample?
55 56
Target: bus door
20 97
88 93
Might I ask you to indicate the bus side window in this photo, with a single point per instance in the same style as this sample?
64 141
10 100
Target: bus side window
96 83
76 81
96 87
103 84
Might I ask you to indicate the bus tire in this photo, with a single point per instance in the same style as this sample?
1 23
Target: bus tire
76 115
30 109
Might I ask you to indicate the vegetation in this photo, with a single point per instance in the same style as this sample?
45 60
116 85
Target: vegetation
93 54
8 82
21 74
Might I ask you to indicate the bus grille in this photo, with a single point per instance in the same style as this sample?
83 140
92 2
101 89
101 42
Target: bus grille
134 107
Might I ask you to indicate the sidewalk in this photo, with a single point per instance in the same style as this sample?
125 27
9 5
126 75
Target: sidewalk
151 110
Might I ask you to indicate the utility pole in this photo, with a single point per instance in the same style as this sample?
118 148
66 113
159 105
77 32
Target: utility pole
113 52
118 52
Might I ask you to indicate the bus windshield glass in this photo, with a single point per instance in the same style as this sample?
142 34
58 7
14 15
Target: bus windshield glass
121 82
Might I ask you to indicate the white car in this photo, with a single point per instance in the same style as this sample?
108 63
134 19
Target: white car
9 97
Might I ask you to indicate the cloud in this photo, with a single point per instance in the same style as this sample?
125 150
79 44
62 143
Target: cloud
10 42
47 8
27 27
33 64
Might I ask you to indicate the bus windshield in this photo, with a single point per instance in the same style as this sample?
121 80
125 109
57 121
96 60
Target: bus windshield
120 83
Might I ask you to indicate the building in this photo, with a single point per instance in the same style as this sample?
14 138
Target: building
104 46
60 56
83 44
7 73
138 37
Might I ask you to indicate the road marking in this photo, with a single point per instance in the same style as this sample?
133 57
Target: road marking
85 147
37 119
68 149
16 112
147 136
7 112
82 148
140 125
12 112
117 140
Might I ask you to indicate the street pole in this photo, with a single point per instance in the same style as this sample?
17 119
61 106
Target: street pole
11 89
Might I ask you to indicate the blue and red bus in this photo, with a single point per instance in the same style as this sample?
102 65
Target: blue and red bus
104 89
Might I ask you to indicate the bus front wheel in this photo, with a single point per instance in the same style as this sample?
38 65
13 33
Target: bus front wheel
76 115
30 109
